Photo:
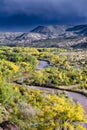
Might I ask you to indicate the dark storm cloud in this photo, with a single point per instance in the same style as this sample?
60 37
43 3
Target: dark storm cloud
26 13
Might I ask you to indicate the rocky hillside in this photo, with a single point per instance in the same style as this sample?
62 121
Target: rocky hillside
49 36
8 37
51 31
47 32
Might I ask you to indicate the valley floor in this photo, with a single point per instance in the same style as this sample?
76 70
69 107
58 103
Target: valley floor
39 86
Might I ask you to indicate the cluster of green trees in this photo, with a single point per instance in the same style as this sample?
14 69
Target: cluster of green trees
8 69
14 61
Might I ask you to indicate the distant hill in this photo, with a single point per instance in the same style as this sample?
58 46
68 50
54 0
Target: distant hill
79 29
59 30
54 31
49 36
51 30
8 37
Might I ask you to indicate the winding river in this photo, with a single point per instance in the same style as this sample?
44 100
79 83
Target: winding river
77 97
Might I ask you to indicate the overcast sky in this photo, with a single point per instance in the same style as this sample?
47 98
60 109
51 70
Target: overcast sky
22 15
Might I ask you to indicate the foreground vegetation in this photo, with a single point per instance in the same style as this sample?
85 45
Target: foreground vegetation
35 110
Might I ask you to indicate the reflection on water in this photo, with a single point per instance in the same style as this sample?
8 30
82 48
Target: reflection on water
42 64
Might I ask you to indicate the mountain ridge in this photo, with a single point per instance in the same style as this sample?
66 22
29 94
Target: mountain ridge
70 36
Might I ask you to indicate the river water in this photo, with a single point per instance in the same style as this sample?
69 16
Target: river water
42 64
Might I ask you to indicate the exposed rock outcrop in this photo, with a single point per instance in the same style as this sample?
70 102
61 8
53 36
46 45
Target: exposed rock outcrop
6 125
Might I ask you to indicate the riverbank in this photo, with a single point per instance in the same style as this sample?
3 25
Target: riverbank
42 65
63 88
71 88
83 92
